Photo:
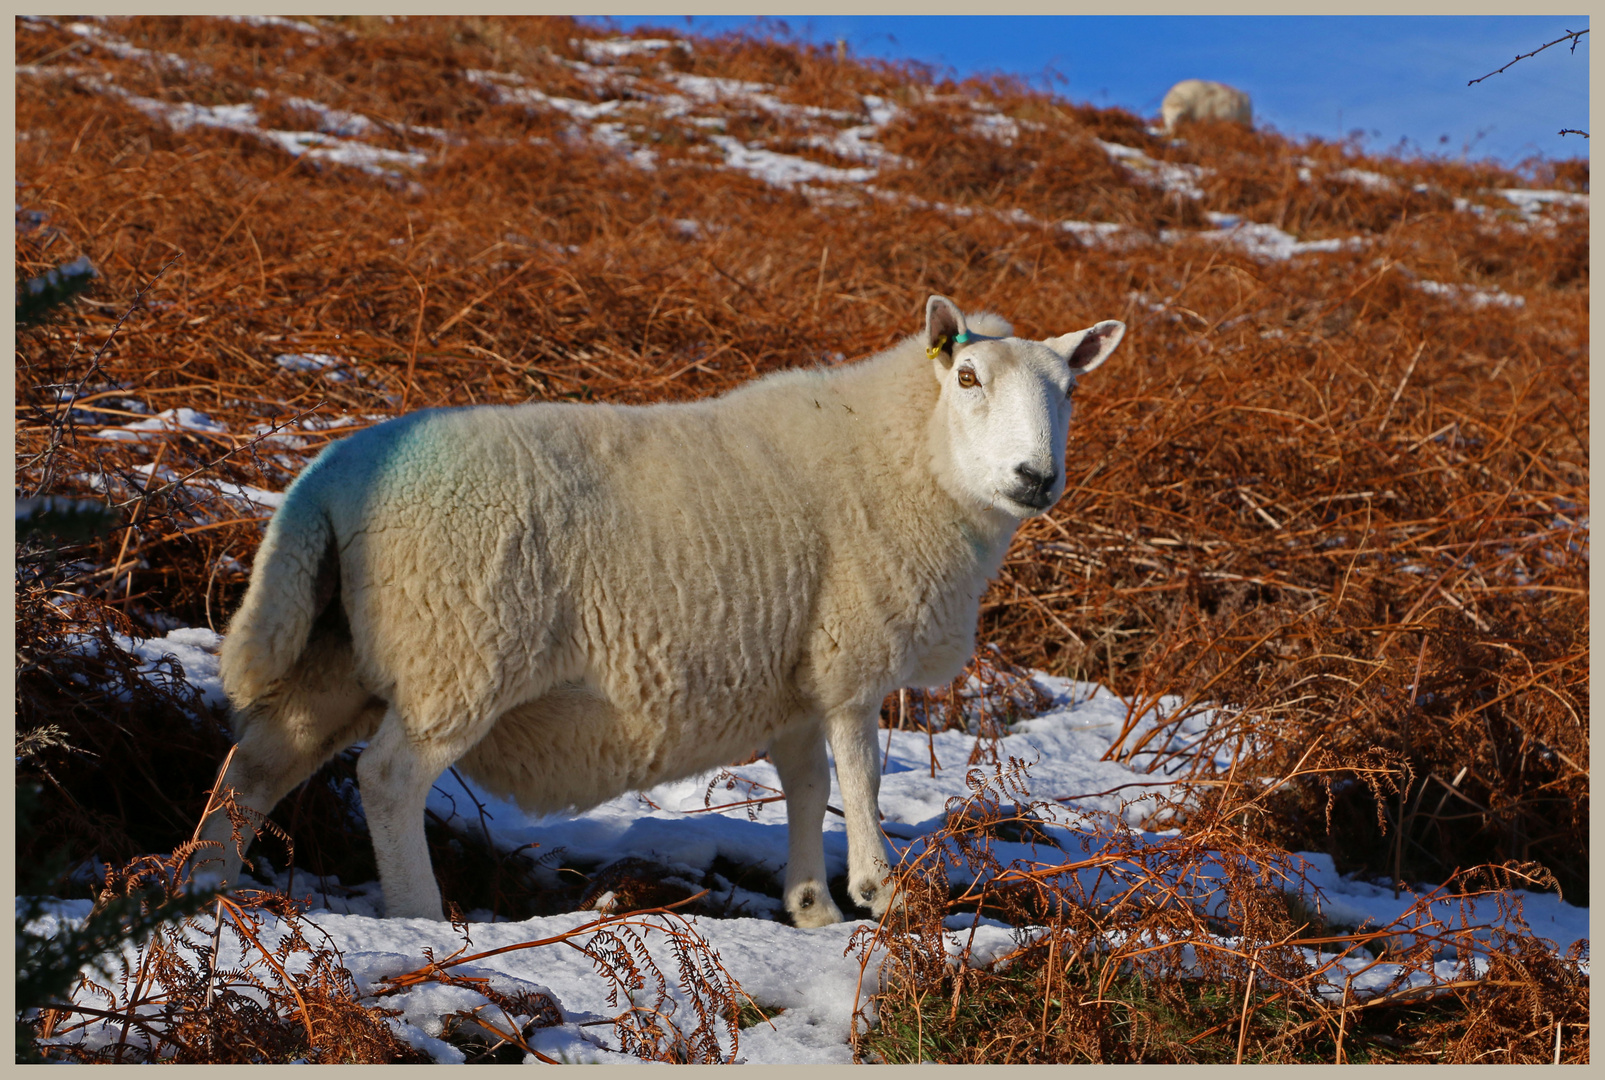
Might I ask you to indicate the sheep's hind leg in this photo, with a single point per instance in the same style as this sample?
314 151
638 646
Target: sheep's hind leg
285 737
394 775
869 856
799 757
262 772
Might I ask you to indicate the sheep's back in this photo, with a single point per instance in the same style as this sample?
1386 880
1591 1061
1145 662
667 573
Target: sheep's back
656 554
1200 99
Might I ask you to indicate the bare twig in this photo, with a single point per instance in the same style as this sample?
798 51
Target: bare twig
1248 993
249 444
1571 35
63 412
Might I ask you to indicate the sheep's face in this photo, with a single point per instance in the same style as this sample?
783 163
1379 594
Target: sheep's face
1003 413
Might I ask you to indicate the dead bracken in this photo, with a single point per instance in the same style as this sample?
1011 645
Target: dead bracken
1337 491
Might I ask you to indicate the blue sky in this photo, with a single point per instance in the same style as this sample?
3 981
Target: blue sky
1391 77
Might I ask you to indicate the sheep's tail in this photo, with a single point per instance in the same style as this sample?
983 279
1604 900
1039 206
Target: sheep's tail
295 576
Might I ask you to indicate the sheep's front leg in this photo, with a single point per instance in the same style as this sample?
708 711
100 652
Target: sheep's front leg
799 757
869 856
394 775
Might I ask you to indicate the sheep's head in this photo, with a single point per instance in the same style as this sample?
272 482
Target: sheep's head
1003 411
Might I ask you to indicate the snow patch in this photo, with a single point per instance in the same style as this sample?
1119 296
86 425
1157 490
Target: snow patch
1531 202
195 648
784 170
1470 296
165 422
998 128
277 21
1101 233
854 144
614 137
243 118
1371 181
601 52
334 121
333 368
125 51
505 89
710 88
1261 241
1181 179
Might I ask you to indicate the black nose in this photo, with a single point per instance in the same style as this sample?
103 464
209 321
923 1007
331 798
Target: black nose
1037 484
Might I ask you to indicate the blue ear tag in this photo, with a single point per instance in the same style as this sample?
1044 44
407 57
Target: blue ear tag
961 338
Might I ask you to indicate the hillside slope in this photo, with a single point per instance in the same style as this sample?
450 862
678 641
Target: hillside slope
1335 480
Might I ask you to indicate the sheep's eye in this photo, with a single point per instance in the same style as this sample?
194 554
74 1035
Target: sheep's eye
967 379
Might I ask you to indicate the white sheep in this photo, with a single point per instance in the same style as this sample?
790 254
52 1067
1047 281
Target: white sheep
577 601
1198 99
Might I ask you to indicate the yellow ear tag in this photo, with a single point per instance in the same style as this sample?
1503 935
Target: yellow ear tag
961 338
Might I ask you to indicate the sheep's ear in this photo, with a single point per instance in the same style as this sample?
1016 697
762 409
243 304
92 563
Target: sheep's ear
943 322
1086 349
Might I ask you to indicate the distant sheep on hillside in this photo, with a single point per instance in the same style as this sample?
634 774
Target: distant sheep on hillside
1198 99
577 601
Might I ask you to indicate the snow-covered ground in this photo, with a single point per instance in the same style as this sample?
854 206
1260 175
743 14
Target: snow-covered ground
807 979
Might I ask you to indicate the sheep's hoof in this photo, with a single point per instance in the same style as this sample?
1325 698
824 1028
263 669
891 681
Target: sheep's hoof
877 894
812 906
400 904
